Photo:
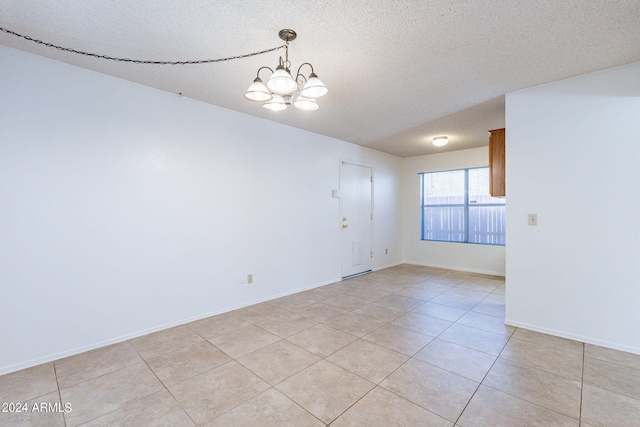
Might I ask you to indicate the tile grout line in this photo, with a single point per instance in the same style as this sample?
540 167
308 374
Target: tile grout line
165 386
483 378
582 383
528 367
96 377
143 360
482 381
55 372
485 375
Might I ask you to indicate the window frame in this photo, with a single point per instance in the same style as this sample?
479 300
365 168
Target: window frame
465 206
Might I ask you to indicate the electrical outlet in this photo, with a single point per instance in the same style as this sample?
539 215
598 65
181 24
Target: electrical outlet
250 278
533 219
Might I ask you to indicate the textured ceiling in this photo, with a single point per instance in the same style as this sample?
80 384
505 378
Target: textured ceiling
398 72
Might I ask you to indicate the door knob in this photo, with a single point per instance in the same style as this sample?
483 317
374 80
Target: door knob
344 219
345 226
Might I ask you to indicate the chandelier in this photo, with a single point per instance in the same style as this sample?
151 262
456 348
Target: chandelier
276 95
282 88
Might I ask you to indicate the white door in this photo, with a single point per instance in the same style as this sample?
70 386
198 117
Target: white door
356 212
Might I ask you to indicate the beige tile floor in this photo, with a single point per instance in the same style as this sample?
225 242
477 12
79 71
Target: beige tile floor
404 346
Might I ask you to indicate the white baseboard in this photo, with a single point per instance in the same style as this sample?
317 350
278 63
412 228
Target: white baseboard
77 350
457 268
574 337
388 266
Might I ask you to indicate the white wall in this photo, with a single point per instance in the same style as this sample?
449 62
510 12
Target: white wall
573 156
124 209
457 256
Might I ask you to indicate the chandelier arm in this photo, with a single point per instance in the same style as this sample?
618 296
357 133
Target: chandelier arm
141 61
300 67
301 77
262 68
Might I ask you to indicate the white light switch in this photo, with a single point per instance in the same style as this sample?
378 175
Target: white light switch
533 219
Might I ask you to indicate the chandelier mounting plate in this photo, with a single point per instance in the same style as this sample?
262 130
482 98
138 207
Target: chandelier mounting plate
287 35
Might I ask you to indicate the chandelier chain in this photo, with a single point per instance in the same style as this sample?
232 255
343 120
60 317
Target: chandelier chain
140 61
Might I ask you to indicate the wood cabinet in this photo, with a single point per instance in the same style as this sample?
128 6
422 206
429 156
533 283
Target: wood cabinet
497 162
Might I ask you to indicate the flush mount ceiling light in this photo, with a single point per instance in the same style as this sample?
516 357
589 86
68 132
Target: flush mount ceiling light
440 141
281 87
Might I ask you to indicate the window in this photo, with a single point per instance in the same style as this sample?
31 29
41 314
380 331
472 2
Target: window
457 207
